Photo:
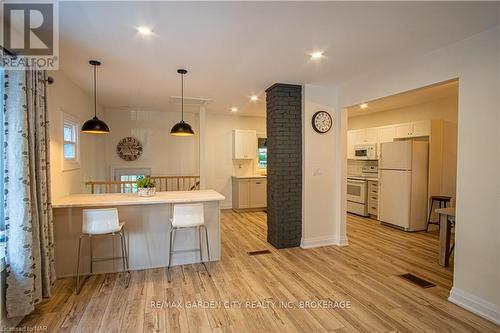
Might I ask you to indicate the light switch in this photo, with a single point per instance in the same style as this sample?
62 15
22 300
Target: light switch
317 172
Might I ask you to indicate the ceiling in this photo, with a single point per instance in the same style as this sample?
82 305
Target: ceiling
235 49
414 97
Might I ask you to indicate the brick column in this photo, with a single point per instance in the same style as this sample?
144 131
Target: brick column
284 165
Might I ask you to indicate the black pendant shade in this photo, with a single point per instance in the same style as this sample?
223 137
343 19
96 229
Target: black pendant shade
182 128
95 125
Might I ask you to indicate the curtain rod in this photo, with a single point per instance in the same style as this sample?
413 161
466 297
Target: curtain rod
50 79
6 50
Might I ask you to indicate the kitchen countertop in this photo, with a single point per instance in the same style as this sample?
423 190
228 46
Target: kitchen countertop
373 179
124 199
249 177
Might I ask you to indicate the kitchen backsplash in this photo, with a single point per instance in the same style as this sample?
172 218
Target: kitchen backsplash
354 166
244 167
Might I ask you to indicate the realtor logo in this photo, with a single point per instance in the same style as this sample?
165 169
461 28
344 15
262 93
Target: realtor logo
30 32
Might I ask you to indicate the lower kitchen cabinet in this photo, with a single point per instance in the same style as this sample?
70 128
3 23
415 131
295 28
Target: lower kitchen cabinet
373 198
249 192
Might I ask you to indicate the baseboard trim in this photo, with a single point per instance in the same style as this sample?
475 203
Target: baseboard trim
476 305
323 241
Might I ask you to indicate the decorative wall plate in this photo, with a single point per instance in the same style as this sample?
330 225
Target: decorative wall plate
129 148
322 122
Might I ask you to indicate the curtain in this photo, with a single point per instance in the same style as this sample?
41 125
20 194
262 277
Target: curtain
28 212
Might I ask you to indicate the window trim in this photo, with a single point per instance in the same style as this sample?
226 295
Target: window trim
73 163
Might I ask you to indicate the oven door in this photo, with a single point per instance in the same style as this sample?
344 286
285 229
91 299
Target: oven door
356 191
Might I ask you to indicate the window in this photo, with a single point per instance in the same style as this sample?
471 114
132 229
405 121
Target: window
71 144
130 175
69 141
127 188
262 153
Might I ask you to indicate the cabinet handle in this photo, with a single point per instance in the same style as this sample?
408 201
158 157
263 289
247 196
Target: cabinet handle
257 183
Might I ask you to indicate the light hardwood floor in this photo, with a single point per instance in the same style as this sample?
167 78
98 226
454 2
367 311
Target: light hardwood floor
363 273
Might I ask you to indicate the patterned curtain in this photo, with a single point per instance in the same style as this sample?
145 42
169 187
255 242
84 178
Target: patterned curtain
28 212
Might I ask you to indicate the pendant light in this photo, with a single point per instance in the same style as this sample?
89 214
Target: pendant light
182 128
95 125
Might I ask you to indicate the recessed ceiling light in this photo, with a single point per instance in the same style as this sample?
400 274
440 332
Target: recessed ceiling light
143 30
317 55
234 109
363 106
253 98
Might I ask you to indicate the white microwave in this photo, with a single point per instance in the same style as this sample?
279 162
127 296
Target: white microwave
365 152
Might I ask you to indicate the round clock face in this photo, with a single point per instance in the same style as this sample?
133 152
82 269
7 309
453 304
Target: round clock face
129 148
322 121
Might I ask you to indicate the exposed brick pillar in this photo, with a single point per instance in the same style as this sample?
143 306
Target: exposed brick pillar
284 165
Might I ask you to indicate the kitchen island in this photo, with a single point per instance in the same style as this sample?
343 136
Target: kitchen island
147 225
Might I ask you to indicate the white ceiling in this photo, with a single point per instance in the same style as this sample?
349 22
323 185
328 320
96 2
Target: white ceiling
408 98
235 49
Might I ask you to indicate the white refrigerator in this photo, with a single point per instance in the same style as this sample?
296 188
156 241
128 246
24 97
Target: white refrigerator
403 170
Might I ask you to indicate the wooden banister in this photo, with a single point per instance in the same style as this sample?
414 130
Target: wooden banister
162 183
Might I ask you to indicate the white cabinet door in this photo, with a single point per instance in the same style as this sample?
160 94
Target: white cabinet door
358 136
244 144
386 134
350 144
243 193
371 135
258 193
421 128
251 145
403 130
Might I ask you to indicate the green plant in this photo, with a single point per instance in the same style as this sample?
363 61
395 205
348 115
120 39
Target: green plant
145 182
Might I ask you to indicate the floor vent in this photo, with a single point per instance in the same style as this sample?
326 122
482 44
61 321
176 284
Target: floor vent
418 281
255 253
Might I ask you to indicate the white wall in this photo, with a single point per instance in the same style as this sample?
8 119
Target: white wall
165 154
65 96
319 188
219 161
445 109
475 61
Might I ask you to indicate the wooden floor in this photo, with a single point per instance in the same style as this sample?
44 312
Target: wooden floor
364 274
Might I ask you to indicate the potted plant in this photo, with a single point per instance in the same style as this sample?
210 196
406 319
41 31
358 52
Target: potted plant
145 187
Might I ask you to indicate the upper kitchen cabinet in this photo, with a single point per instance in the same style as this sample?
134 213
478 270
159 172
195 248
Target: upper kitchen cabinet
413 129
367 135
386 134
244 144
350 144
421 128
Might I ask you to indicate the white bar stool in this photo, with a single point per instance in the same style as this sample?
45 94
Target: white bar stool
100 222
188 216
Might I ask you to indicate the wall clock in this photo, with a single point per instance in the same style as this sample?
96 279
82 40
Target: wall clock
322 122
129 148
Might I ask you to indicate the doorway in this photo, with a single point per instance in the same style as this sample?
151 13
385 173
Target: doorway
389 185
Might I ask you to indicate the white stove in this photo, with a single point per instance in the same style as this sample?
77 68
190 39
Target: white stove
357 190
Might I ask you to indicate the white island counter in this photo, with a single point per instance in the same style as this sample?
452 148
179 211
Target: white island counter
147 225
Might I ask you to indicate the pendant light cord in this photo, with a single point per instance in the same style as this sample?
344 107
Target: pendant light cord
95 94
182 97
